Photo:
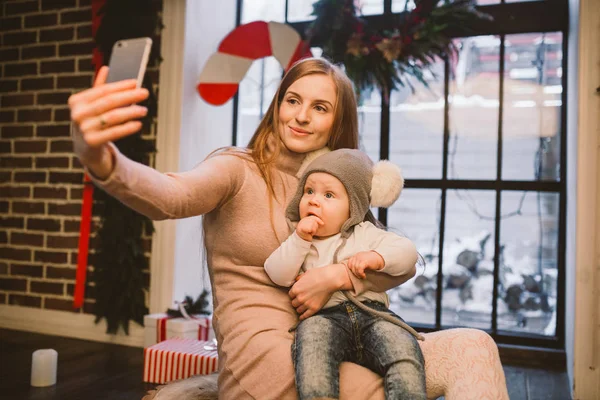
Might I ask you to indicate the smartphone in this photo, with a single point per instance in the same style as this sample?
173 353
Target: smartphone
128 60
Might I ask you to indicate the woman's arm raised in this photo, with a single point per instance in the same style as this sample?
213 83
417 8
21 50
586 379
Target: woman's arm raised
104 113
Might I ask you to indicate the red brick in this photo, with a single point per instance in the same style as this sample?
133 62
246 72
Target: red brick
60 273
7 116
24 301
62 114
32 177
61 146
38 20
5 176
90 291
30 146
12 222
37 83
21 7
15 162
8 85
74 81
9 253
26 239
89 307
9 54
85 65
5 147
51 257
71 17
62 242
71 226
76 49
41 51
13 284
34 115
46 287
19 38
43 224
64 209
10 24
52 162
20 69
4 206
58 4
57 34
51 303
66 177
75 163
49 193
53 98
36 271
16 131
17 100
28 207
54 130
84 31
3 268
58 66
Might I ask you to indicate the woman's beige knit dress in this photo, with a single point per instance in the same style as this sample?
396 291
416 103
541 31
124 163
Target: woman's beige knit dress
251 314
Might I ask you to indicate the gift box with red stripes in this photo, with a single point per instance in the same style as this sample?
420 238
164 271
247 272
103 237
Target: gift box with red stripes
174 359
159 327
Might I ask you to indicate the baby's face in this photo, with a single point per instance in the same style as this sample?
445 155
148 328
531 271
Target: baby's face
325 197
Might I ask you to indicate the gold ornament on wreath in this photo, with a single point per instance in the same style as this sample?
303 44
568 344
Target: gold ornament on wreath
402 46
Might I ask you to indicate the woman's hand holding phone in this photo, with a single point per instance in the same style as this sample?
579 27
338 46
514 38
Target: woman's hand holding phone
102 114
108 111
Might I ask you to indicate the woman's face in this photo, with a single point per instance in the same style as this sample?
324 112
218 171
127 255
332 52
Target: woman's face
306 113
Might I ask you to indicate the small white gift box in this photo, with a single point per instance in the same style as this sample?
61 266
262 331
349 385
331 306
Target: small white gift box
159 327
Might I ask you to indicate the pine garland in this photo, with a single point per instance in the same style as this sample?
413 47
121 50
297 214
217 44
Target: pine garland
120 261
385 58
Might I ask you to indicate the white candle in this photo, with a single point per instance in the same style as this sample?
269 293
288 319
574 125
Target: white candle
43 367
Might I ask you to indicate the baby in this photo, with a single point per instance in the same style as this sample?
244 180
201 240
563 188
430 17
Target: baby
334 224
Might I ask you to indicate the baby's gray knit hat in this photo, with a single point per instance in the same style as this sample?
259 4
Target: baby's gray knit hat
368 185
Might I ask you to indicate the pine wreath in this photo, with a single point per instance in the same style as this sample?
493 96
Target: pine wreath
119 262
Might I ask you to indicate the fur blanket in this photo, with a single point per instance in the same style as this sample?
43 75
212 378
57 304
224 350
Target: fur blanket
200 387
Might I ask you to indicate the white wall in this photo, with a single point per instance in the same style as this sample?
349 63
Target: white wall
203 128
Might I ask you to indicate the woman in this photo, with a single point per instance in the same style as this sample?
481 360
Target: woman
242 194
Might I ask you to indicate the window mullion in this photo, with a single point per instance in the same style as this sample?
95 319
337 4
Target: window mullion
498 191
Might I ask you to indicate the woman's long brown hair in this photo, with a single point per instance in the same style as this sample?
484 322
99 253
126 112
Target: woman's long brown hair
344 131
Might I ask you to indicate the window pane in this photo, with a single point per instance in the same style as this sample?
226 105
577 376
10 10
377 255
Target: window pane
399 6
529 268
416 215
532 106
369 123
469 258
300 10
263 10
371 7
255 94
417 126
474 89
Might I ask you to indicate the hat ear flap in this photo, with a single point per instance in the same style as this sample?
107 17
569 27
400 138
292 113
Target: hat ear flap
386 185
310 157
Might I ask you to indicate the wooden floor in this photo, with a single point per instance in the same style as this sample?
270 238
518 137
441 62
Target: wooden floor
91 370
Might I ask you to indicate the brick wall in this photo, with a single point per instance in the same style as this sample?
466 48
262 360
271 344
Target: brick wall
44 58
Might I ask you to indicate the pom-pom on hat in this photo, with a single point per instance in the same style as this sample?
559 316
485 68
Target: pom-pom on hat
367 184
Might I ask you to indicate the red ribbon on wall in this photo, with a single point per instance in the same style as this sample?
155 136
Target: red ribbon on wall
88 187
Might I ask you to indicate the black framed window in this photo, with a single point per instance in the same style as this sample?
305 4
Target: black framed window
483 151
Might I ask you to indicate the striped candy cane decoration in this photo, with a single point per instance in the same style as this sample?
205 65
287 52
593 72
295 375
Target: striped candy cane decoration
224 70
